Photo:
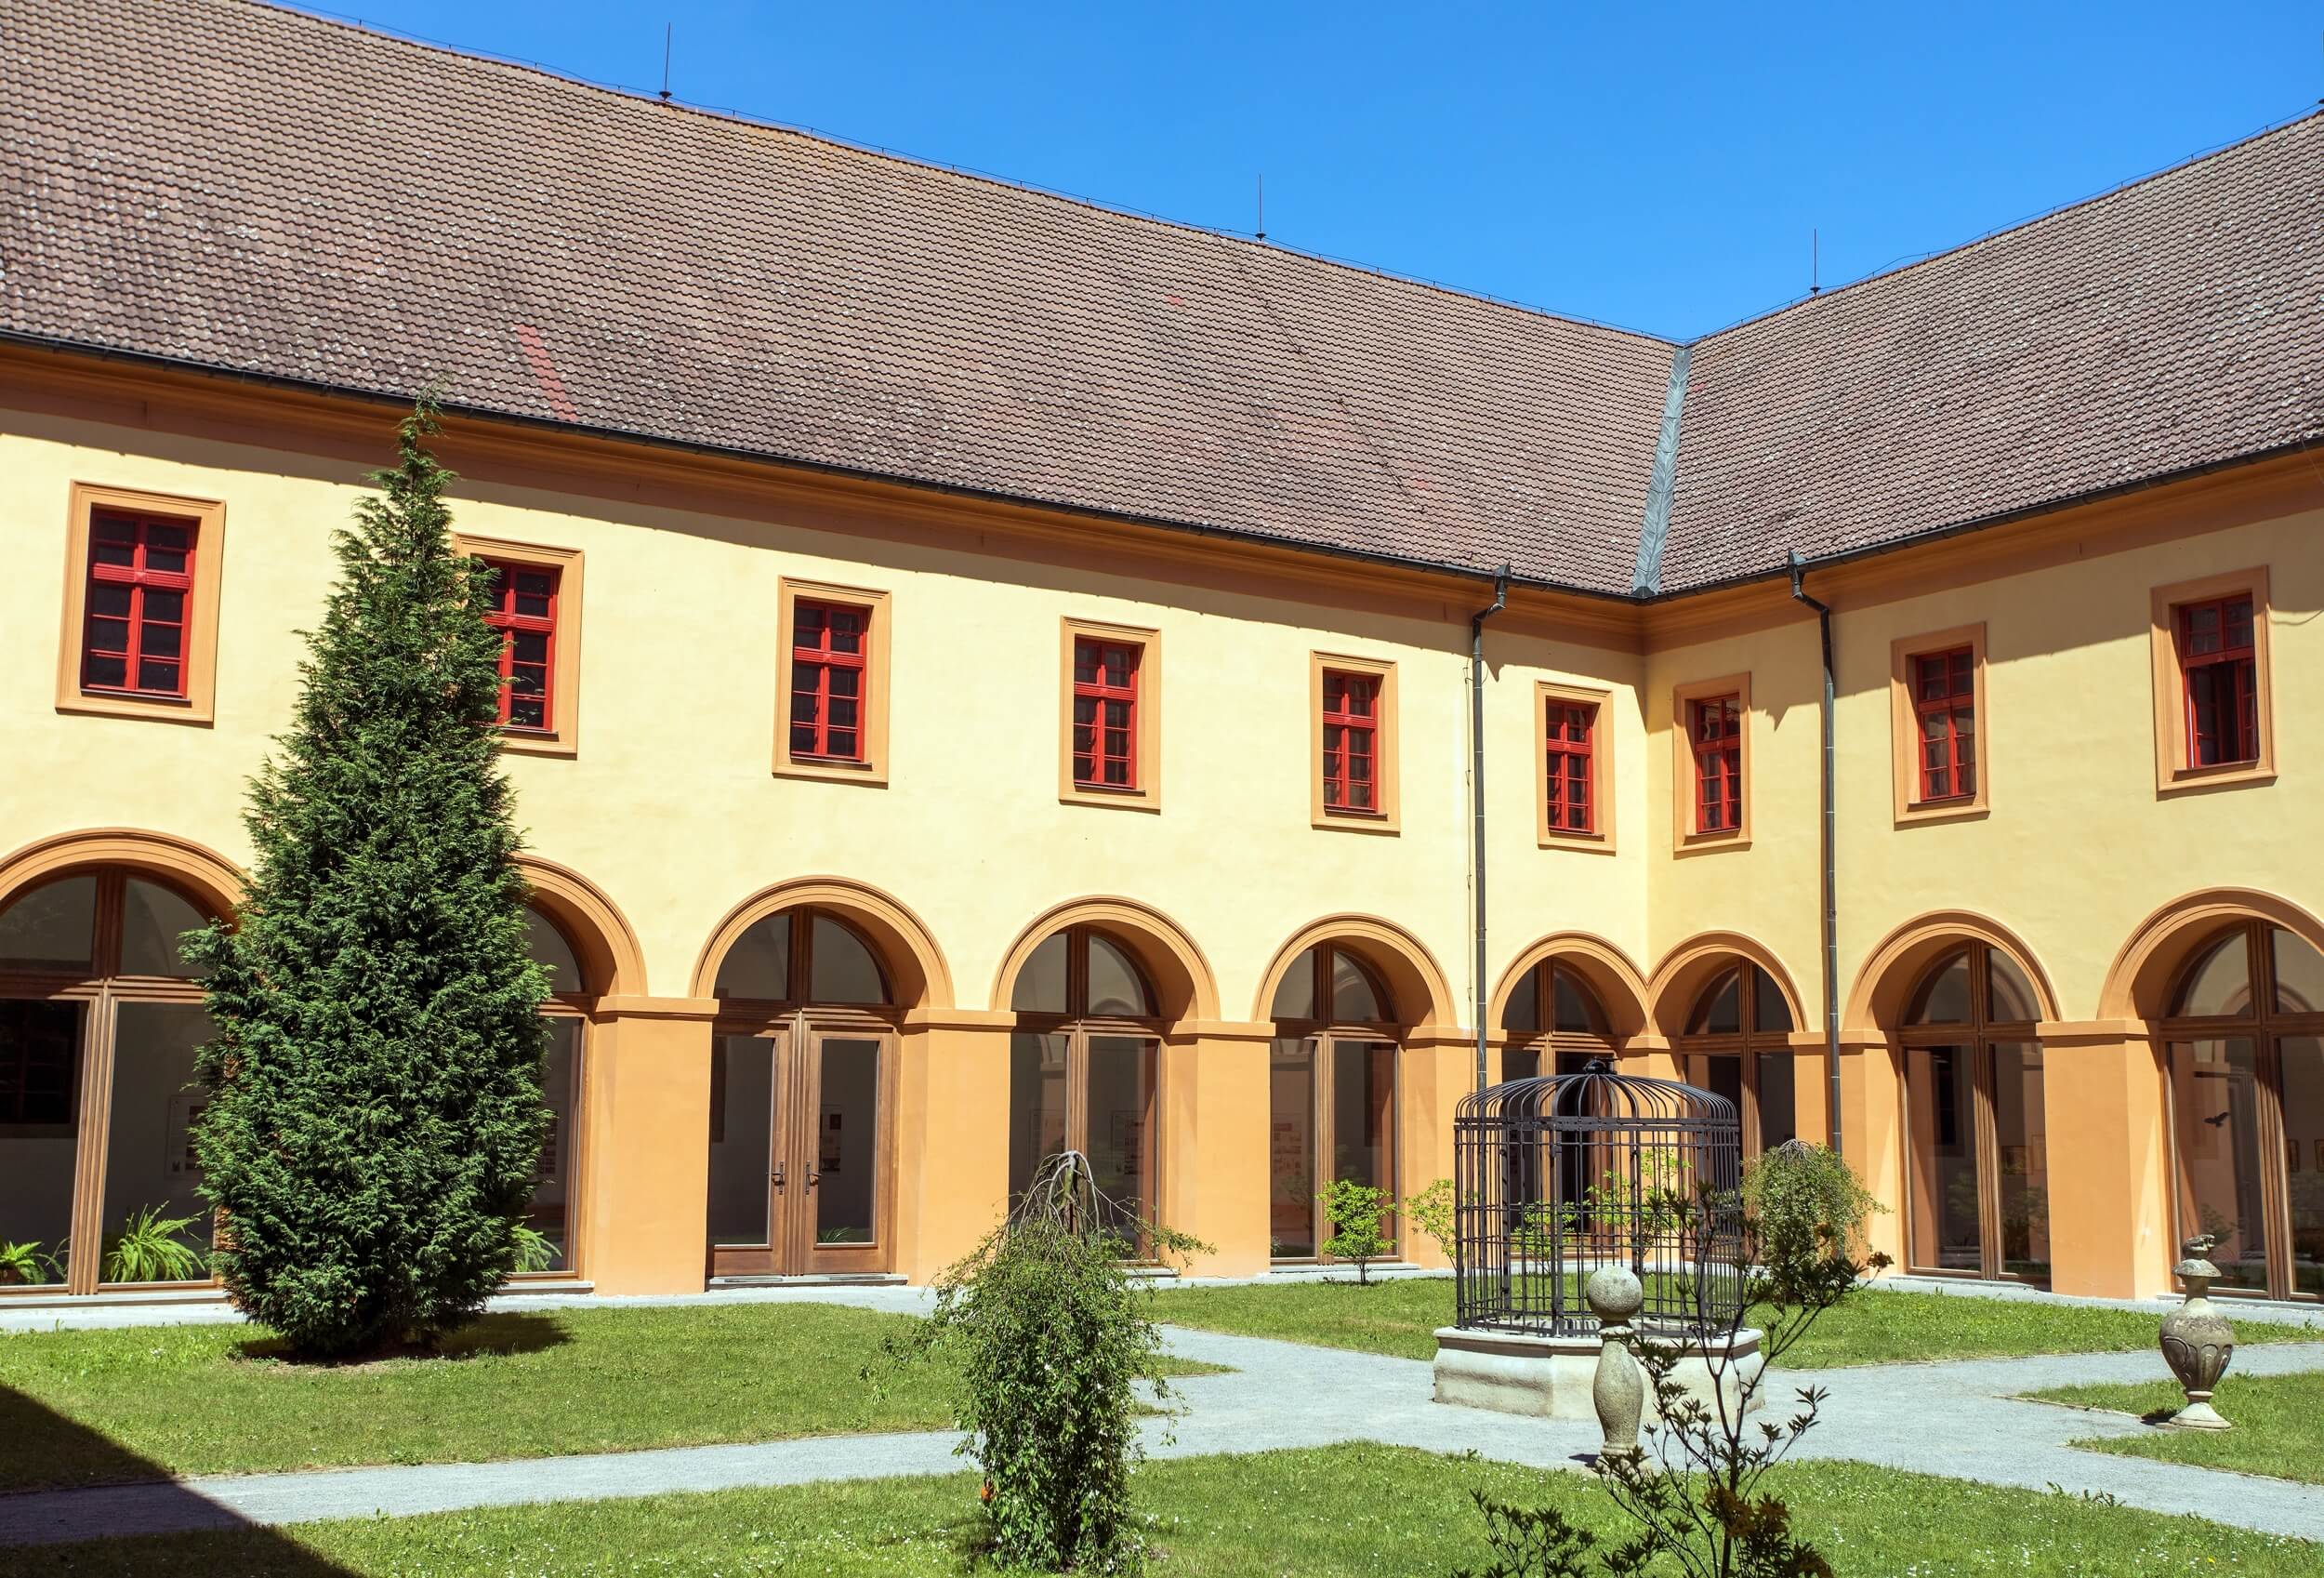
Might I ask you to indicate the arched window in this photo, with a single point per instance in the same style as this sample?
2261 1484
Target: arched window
2245 1030
1564 1039
1561 1041
1738 1042
552 1215
800 1071
100 1017
1978 1200
1331 1091
1084 1066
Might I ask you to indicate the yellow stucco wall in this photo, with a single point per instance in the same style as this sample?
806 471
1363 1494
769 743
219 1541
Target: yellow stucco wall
670 808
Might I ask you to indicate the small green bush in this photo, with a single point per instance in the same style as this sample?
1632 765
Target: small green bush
1804 1202
1355 1210
1051 1337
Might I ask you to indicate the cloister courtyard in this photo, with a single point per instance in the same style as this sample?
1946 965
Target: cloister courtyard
752 1431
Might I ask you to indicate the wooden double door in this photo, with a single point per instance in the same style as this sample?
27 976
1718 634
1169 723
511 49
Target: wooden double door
800 1171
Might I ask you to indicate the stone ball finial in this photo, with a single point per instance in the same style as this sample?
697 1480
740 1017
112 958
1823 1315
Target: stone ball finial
1614 1296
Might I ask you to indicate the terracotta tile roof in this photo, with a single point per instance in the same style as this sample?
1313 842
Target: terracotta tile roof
2173 324
243 188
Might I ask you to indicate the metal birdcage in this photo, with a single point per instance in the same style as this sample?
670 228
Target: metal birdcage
1557 1176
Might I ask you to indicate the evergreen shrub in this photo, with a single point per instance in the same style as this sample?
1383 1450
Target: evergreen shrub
375 1111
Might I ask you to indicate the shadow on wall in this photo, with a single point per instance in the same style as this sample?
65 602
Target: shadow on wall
139 1516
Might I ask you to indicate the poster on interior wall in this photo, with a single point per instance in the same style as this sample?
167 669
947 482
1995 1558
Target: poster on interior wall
827 1146
179 1162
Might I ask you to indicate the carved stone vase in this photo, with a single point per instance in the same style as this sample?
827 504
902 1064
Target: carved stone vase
1619 1387
2197 1340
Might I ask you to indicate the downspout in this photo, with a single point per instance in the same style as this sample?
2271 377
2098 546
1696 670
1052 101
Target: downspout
1476 804
1831 869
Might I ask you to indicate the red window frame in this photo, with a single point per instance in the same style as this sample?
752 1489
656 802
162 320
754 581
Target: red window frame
1569 785
2219 681
524 612
1105 713
1716 724
1945 717
140 568
1350 742
830 674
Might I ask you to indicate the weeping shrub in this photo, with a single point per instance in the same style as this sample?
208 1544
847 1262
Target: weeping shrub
1049 1337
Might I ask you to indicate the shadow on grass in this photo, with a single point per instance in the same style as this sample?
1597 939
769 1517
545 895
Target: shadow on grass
486 1336
139 1499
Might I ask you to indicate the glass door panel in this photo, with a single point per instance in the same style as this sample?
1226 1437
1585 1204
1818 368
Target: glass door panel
2214 1099
1778 1099
40 1079
845 1177
2021 1152
155 1225
551 1212
2301 1059
1119 1115
1940 1094
1037 1062
741 1140
1362 1116
1291 1150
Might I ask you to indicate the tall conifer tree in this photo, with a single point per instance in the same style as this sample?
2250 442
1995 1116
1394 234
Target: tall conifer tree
375 1111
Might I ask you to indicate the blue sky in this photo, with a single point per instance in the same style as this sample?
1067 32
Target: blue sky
1654 165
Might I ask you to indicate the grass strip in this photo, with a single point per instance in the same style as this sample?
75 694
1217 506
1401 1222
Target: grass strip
89 1407
1336 1512
1877 1326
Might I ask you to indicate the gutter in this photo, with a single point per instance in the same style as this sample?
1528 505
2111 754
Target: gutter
1476 804
1831 866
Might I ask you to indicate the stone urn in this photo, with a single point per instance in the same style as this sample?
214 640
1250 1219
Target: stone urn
2197 1340
1619 1387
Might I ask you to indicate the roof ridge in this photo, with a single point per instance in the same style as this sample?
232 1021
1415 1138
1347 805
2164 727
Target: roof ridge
985 177
1936 255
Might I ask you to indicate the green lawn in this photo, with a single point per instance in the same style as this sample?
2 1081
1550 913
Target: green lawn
1873 1327
1339 1512
2278 1423
86 1407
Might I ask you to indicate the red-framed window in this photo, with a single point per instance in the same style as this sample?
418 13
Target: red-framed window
1945 706
829 647
1569 782
1351 741
524 612
1716 725
141 581
2220 666
1105 713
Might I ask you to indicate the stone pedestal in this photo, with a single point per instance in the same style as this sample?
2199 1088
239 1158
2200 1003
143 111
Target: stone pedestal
1554 1377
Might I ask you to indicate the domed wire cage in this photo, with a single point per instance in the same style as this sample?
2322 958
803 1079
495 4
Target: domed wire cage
1557 1176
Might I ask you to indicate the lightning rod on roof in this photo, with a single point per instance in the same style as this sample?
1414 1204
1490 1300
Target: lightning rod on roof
666 29
1261 233
1815 263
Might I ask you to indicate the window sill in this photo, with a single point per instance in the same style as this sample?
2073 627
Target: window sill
1971 809
2230 775
1357 822
1579 843
1707 843
536 742
1112 799
129 704
832 770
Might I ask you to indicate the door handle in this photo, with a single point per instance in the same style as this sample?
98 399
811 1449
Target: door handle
814 1177
778 1177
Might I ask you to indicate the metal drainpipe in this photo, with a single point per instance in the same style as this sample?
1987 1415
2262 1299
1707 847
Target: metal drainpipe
1831 867
1477 798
